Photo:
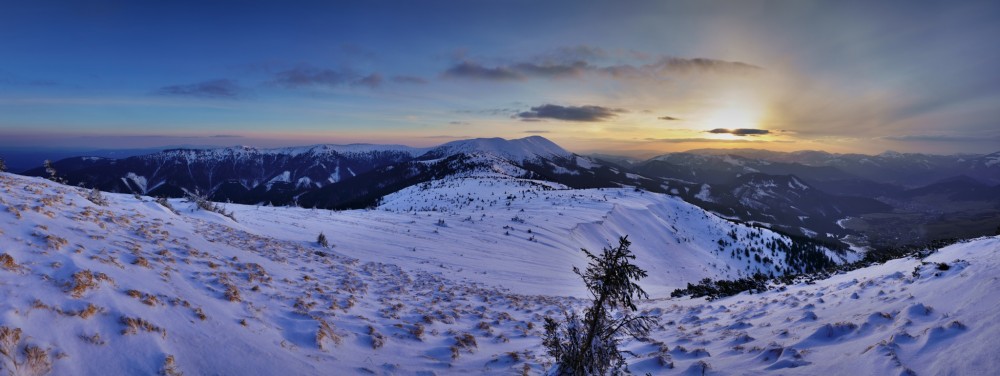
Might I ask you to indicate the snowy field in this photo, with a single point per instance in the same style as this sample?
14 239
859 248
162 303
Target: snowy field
448 277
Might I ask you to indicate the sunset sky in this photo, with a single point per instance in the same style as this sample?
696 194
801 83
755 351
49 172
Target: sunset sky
624 77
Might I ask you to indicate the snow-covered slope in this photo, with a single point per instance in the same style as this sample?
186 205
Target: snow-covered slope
135 288
934 316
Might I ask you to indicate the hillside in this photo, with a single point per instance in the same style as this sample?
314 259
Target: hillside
133 287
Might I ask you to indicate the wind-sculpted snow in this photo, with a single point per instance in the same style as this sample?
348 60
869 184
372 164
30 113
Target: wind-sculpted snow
452 276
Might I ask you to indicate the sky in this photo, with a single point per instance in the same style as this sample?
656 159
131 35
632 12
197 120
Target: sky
625 77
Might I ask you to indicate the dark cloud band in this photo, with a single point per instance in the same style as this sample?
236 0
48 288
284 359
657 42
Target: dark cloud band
740 131
222 88
570 113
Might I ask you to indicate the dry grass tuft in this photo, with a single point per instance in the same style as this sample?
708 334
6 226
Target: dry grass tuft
232 293
35 360
132 326
89 311
141 261
169 368
325 331
464 341
378 340
94 339
86 280
55 242
7 262
147 299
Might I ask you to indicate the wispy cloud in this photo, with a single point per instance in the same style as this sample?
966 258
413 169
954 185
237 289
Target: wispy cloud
740 131
668 118
403 79
467 69
570 113
220 88
663 67
307 76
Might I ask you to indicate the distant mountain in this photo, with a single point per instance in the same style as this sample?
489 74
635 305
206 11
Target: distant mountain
961 188
910 170
241 174
521 150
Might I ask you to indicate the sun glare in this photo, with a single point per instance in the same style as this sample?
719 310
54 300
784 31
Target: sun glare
733 115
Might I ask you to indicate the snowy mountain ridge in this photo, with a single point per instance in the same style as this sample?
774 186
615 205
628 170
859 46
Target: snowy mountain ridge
516 150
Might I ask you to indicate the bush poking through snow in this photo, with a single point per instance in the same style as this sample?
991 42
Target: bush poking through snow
166 204
97 198
589 346
202 203
53 175
321 240
33 360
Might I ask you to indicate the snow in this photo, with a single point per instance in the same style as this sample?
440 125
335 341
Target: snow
138 180
435 262
285 177
794 183
705 194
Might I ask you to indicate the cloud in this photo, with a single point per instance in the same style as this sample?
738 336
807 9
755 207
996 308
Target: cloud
491 111
221 88
740 131
459 123
709 140
306 76
518 71
551 70
373 80
467 69
408 80
570 113
537 132
668 118
559 68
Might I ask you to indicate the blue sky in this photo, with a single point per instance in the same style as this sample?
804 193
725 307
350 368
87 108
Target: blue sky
631 77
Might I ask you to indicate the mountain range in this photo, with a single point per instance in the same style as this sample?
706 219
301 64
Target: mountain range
885 200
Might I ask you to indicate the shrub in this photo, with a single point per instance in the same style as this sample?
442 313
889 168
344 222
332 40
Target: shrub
97 198
321 240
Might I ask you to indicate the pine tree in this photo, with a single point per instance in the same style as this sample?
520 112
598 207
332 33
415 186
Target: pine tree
53 175
589 346
3 165
321 240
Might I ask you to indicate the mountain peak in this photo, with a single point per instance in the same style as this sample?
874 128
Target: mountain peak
521 149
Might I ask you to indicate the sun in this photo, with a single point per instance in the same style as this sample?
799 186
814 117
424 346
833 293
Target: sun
733 113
